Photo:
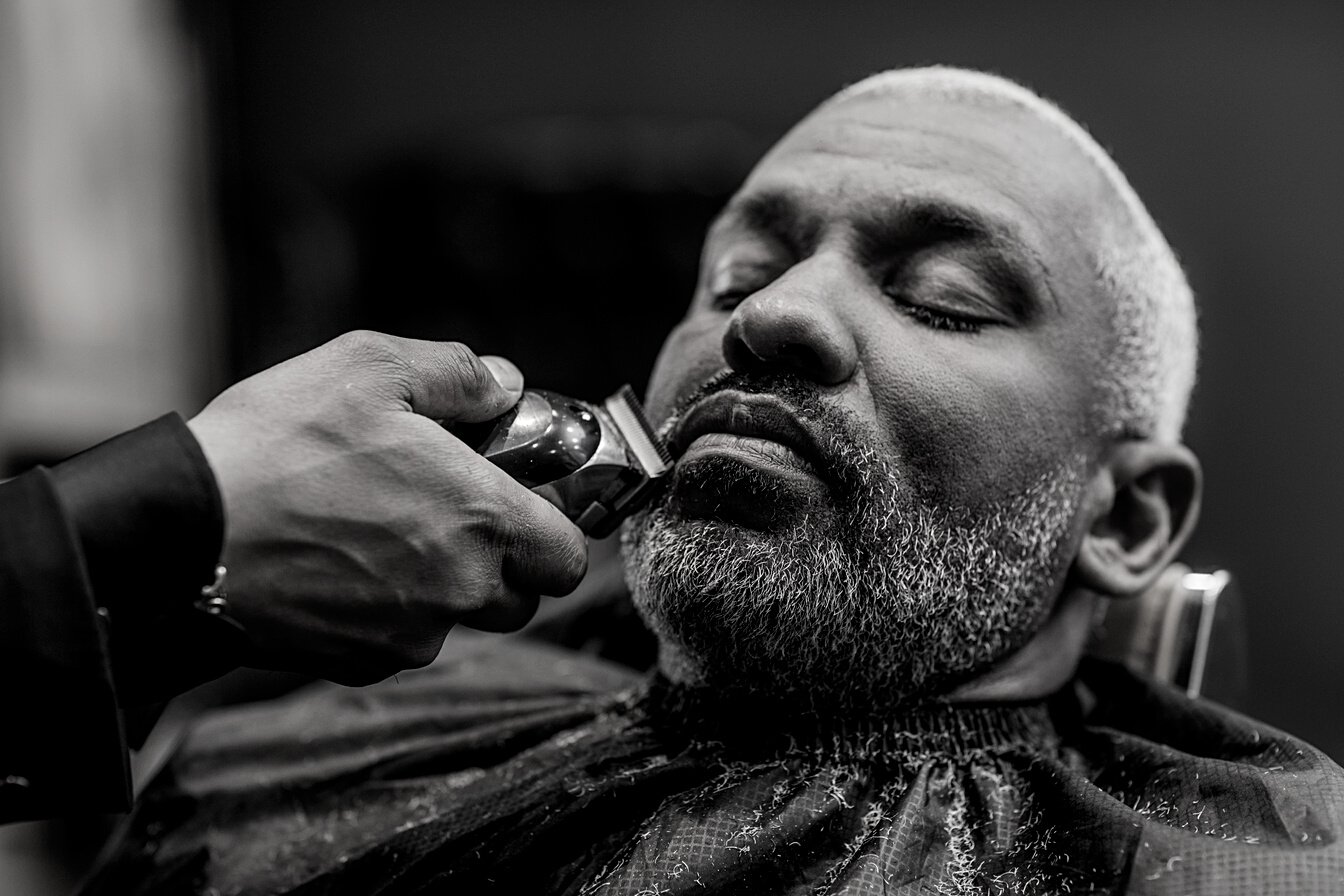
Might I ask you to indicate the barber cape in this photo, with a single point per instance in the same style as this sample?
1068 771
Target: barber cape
515 768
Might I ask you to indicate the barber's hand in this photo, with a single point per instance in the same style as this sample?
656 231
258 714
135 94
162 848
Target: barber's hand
359 531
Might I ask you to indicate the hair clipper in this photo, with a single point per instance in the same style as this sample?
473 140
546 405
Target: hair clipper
597 463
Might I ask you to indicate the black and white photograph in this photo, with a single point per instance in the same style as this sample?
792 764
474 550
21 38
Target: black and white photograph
671 449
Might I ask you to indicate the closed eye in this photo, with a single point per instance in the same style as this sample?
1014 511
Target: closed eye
734 283
943 294
940 319
728 299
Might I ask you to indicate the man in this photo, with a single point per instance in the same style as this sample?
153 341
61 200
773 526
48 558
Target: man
927 405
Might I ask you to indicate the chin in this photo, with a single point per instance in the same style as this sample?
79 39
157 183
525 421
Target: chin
852 608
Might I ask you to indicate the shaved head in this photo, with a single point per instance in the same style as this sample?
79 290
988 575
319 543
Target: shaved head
1150 369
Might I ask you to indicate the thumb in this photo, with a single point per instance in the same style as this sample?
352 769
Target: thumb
447 381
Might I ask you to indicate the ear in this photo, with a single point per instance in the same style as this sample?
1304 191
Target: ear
1144 500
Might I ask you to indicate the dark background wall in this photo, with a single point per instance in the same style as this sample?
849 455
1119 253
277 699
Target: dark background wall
532 178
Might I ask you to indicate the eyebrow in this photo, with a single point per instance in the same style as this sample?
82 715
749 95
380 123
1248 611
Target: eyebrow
905 227
778 215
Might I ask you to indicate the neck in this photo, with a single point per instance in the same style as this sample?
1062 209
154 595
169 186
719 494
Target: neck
1045 663
741 727
1041 667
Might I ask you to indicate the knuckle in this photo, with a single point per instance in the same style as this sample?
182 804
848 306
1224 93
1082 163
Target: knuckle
365 344
375 360
475 591
571 562
465 370
473 599
541 540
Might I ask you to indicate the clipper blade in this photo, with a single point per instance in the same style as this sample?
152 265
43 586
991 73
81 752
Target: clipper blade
643 442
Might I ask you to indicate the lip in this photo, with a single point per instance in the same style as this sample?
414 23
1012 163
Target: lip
749 416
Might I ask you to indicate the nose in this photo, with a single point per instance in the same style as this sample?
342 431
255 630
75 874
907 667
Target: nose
795 324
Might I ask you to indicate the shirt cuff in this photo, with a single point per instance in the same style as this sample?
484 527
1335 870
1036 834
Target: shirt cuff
149 517
150 522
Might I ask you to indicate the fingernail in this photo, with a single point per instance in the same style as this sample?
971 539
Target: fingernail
507 375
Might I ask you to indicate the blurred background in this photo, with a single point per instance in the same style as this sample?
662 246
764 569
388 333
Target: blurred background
190 192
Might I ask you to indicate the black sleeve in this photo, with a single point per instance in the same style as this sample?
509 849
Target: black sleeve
101 559
148 515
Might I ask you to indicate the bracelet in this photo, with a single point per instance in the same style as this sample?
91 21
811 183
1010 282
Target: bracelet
214 599
214 602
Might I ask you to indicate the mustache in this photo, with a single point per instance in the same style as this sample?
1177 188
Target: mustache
804 399
848 456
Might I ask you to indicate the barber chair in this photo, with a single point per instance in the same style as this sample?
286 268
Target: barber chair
1187 630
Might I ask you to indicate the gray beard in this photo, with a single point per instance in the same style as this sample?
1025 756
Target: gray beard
884 597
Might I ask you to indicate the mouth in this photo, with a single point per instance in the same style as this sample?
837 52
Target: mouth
758 429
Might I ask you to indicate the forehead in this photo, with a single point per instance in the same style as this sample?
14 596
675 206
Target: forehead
869 154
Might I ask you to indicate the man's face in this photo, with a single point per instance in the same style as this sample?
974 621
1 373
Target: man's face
883 398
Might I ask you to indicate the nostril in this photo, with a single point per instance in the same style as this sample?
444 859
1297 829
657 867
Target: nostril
792 331
736 351
795 354
760 355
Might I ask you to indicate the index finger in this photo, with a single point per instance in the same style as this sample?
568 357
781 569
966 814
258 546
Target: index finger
447 381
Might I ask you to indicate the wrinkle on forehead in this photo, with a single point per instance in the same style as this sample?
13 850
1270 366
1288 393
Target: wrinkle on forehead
1005 148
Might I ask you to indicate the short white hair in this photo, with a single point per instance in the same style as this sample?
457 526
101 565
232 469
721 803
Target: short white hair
1150 371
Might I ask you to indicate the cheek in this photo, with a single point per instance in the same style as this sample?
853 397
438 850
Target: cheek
692 353
975 426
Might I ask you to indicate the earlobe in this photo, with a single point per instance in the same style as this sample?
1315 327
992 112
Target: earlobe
1144 501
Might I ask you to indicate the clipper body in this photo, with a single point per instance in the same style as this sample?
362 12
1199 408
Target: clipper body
597 463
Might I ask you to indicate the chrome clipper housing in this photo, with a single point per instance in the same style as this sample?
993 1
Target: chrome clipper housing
597 463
